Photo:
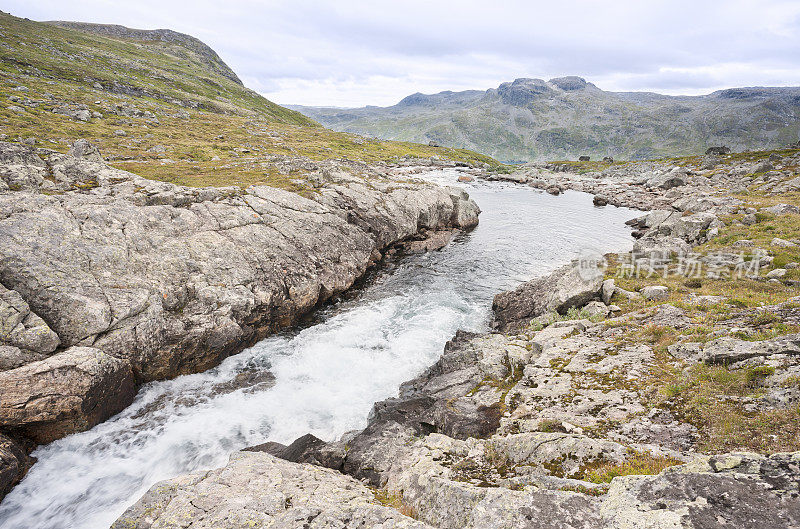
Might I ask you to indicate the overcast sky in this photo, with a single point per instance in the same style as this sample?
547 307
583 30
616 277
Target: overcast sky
348 53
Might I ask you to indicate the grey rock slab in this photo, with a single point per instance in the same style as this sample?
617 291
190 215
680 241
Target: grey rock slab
731 490
258 490
729 350
20 328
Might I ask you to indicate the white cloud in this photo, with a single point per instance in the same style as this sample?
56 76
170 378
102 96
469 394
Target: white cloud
350 53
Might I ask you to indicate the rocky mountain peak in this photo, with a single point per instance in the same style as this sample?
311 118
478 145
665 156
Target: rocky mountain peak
522 91
571 82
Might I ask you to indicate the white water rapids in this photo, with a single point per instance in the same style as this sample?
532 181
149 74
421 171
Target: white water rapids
326 375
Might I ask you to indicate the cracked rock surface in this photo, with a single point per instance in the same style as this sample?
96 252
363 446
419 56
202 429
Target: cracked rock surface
259 490
109 280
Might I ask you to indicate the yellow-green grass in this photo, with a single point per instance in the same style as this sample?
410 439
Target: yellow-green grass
637 464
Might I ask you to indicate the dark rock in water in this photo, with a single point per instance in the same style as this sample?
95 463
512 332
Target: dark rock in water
14 463
600 200
433 240
554 190
567 287
719 151
305 449
584 158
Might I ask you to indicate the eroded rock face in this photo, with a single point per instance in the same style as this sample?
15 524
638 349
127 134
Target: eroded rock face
174 279
161 280
68 392
569 286
258 490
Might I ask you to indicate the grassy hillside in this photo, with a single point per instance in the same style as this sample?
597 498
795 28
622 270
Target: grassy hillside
162 105
530 119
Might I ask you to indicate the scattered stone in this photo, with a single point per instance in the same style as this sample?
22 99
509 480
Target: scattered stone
569 286
776 274
727 350
718 151
600 200
782 243
607 290
655 293
670 316
595 309
782 209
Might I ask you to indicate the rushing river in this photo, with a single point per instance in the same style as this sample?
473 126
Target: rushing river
326 375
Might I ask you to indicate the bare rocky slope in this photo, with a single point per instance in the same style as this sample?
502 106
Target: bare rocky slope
109 280
602 398
564 118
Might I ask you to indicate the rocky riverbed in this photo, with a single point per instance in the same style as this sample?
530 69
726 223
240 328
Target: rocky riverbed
633 394
109 280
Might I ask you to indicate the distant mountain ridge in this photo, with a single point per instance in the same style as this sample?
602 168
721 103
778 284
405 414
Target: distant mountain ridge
566 117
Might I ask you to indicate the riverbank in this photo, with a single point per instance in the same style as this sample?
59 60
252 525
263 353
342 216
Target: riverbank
109 280
660 390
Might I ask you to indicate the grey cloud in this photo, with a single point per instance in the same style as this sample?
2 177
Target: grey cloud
378 52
